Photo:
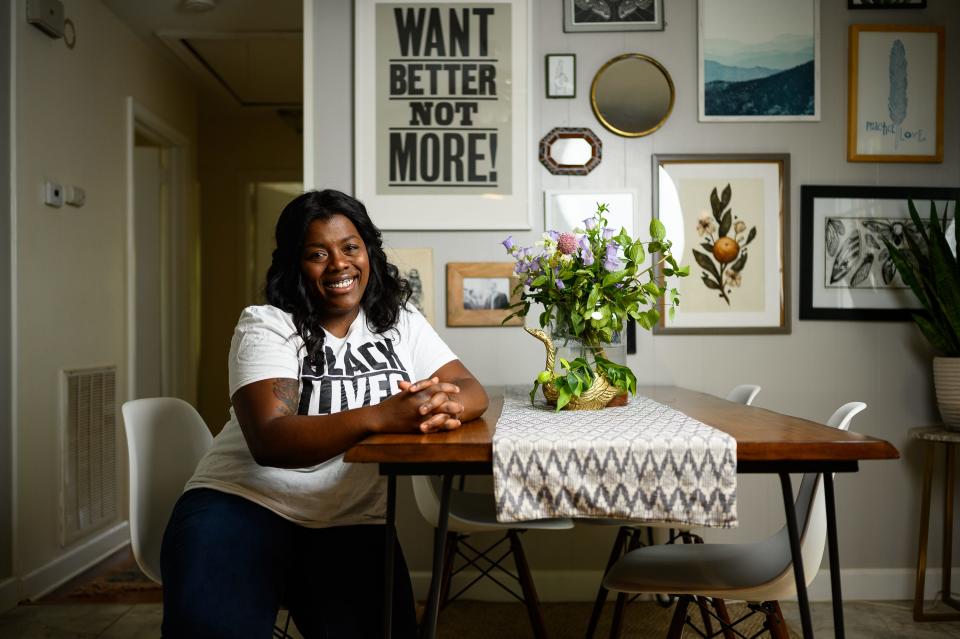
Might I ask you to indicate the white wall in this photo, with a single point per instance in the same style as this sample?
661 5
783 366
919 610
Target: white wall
70 303
807 373
6 354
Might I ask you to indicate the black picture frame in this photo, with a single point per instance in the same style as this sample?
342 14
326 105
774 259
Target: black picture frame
550 88
809 225
577 20
912 4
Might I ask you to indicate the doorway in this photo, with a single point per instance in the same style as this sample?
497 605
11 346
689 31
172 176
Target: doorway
159 282
265 201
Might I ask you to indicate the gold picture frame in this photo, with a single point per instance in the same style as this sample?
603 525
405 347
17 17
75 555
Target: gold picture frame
480 294
896 89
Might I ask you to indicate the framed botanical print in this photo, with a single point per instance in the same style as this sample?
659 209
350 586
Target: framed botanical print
561 75
845 269
759 60
727 216
441 93
895 99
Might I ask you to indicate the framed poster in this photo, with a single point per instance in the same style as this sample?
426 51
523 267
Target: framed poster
481 294
633 15
416 266
896 83
759 60
440 129
886 4
727 216
845 271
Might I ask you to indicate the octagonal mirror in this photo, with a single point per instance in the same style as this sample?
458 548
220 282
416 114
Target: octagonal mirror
570 151
632 95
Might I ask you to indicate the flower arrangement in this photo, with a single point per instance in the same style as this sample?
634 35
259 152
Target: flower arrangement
589 281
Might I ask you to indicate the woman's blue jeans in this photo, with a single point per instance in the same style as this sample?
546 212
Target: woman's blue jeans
228 565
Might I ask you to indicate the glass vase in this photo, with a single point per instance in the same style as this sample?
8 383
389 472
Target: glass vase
570 347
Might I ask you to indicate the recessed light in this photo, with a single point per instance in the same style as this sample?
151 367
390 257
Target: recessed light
198 6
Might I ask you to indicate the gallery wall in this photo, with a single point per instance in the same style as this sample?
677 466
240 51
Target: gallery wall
809 372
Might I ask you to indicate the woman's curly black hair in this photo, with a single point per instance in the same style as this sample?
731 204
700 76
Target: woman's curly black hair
386 291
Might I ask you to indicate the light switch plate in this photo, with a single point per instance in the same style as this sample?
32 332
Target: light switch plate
52 194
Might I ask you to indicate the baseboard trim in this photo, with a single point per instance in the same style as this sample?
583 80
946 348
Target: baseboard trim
81 557
8 594
879 584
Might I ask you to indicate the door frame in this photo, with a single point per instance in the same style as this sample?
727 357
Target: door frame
173 251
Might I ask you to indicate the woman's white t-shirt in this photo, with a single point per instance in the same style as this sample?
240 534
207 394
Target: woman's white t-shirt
360 369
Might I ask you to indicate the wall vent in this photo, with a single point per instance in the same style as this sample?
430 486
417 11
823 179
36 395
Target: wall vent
89 460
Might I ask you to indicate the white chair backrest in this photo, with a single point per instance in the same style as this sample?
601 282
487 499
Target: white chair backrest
428 503
166 438
812 509
744 394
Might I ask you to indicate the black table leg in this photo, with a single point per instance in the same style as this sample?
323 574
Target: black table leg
795 554
834 550
389 555
429 625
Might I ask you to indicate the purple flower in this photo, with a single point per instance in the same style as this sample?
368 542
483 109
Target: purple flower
584 243
586 255
559 284
607 232
590 223
553 235
521 267
508 244
611 262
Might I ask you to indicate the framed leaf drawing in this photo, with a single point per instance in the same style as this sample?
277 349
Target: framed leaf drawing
845 270
726 216
895 104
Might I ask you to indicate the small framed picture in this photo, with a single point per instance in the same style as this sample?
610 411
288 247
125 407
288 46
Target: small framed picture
561 75
636 15
727 216
886 4
895 104
416 266
845 270
481 294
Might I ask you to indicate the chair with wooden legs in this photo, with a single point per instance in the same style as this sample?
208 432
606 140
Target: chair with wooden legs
629 537
759 573
475 512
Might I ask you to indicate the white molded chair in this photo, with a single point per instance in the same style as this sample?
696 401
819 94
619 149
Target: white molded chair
166 438
629 537
475 512
760 573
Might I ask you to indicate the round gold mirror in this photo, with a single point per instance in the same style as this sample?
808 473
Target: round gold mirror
632 95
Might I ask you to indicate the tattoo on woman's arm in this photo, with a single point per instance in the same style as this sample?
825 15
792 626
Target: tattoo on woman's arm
287 391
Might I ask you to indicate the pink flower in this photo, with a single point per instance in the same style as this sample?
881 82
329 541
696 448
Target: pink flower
567 243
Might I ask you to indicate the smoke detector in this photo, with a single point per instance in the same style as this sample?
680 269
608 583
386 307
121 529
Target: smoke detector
198 6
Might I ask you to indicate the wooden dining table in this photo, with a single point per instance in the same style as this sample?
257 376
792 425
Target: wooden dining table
767 442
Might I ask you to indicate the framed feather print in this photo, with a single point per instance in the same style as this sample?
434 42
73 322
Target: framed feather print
895 106
846 272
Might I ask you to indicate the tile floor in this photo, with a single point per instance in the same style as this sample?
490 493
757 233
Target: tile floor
864 620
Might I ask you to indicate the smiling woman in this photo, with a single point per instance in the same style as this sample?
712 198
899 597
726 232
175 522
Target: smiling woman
272 514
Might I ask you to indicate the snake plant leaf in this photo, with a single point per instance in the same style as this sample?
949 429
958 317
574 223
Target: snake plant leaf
848 255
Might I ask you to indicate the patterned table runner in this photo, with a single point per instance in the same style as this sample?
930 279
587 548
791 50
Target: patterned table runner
644 461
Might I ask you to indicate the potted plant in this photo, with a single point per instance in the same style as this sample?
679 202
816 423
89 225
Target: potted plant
929 267
589 281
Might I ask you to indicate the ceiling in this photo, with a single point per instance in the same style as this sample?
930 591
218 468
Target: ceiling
249 52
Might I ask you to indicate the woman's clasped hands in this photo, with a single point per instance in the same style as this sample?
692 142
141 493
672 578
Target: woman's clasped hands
428 405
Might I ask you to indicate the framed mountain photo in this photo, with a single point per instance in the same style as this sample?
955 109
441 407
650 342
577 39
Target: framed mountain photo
759 60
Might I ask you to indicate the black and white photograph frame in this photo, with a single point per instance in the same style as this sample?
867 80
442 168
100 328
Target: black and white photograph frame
845 270
481 294
560 75
874 4
612 15
430 154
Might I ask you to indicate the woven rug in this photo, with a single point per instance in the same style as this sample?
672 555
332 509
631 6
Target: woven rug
644 461
122 582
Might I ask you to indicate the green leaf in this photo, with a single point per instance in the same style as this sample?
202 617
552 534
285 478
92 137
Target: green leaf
752 234
737 266
710 283
716 205
706 263
657 230
725 224
725 196
613 278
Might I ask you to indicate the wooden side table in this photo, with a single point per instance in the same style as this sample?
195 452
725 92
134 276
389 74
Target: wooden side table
933 435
